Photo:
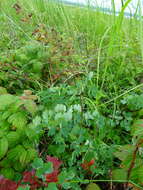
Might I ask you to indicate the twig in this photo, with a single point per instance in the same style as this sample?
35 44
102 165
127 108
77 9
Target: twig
133 161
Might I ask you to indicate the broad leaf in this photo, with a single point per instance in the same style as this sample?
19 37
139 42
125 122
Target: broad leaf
93 186
119 174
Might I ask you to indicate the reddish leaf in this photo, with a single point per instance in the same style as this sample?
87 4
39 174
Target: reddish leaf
86 165
56 163
30 178
52 177
6 184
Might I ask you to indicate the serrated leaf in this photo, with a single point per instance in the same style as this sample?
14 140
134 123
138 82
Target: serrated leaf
13 138
3 147
15 153
6 100
23 157
7 173
31 154
30 106
18 119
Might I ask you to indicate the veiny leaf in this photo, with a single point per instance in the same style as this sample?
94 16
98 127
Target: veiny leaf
6 100
137 128
30 106
7 173
13 138
3 147
23 157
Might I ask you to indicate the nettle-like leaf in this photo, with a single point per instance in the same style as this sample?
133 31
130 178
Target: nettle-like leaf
31 154
23 157
3 147
30 106
18 119
13 138
6 100
5 115
8 173
15 153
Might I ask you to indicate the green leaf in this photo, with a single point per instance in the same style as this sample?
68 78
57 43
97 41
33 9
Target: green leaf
135 102
24 188
23 157
93 186
47 168
31 133
6 100
60 108
119 174
137 128
51 186
66 185
62 177
18 119
3 147
7 173
13 138
37 163
3 90
30 106
124 151
140 174
15 153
